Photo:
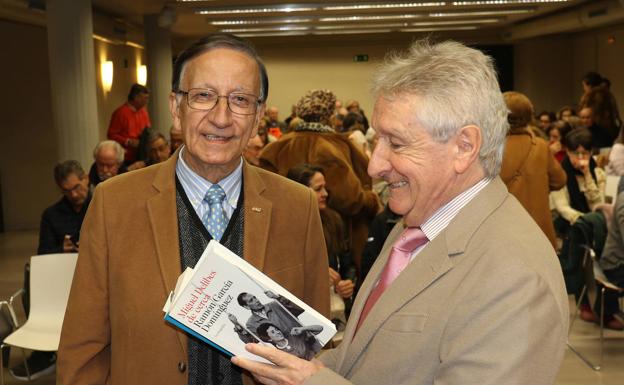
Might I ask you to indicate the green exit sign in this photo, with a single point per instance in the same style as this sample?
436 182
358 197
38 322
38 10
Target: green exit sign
359 58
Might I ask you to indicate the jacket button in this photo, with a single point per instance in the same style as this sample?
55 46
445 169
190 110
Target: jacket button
181 367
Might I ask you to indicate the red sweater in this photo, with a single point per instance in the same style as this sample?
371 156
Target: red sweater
128 123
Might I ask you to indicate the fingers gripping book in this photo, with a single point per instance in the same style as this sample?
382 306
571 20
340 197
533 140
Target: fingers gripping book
226 302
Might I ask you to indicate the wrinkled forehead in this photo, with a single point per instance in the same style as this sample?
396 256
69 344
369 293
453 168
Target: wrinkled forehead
231 65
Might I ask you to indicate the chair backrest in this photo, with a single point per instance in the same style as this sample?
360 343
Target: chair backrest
611 188
50 280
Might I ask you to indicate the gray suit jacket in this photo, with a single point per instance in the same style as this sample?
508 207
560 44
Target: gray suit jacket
483 303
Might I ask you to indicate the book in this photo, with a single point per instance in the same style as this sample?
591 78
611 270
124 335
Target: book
226 302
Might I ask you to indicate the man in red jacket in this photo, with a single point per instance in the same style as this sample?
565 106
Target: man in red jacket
129 120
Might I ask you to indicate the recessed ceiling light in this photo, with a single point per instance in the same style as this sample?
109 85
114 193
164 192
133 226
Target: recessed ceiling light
506 2
352 31
285 8
482 13
272 34
368 18
466 28
453 22
260 21
382 6
386 25
265 29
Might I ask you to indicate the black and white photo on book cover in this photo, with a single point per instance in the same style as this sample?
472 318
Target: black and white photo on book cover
226 302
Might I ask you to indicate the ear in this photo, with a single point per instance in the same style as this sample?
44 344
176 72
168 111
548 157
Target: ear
174 108
259 115
468 142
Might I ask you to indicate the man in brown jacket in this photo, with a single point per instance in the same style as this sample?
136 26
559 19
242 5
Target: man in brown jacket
145 227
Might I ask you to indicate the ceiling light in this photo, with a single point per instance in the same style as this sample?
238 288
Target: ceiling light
272 34
382 6
266 29
453 22
353 31
225 11
368 18
482 13
466 28
260 21
388 25
506 2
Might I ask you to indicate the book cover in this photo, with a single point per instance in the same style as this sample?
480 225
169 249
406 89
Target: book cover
226 302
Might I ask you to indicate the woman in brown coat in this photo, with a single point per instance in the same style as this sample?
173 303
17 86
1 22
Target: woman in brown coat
529 169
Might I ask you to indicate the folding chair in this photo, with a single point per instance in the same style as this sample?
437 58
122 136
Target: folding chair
50 280
593 277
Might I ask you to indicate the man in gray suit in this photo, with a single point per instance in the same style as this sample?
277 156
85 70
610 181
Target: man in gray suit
480 298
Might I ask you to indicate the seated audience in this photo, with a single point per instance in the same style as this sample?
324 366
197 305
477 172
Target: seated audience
253 149
565 113
353 125
175 138
158 149
354 106
529 169
544 120
585 184
612 262
109 161
556 133
601 116
314 142
616 156
341 267
59 232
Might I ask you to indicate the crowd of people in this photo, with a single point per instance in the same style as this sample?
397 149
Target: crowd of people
429 160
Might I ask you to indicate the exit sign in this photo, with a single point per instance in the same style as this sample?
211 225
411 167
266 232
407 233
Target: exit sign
359 58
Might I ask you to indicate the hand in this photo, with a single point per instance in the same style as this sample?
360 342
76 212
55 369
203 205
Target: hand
584 167
271 295
68 245
334 277
232 318
555 147
345 288
288 369
296 330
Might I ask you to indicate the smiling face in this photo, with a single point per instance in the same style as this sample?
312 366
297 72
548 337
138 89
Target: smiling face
419 170
214 140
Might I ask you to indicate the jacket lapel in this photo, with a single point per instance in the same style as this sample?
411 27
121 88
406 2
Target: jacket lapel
257 217
163 218
437 258
431 263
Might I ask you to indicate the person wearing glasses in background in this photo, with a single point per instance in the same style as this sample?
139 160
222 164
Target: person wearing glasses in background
145 227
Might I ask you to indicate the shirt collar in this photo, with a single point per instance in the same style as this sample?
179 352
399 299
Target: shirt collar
445 214
196 187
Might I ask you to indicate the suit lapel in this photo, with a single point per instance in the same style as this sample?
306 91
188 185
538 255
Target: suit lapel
431 263
257 217
437 258
163 218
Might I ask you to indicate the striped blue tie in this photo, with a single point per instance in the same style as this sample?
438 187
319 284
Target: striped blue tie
215 220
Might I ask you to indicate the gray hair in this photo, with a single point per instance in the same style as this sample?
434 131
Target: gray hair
119 151
457 86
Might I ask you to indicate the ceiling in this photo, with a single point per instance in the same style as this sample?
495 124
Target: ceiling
271 22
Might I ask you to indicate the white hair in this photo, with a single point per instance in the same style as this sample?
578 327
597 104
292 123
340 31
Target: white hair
456 86
119 151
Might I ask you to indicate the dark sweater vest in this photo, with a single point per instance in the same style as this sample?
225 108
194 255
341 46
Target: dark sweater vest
206 365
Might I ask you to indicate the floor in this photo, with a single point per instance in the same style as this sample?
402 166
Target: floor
16 247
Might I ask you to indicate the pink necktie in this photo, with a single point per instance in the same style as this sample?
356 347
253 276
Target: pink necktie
410 240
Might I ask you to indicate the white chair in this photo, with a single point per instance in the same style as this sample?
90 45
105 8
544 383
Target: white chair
50 280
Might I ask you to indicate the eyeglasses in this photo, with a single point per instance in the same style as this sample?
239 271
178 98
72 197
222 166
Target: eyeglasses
580 154
206 99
